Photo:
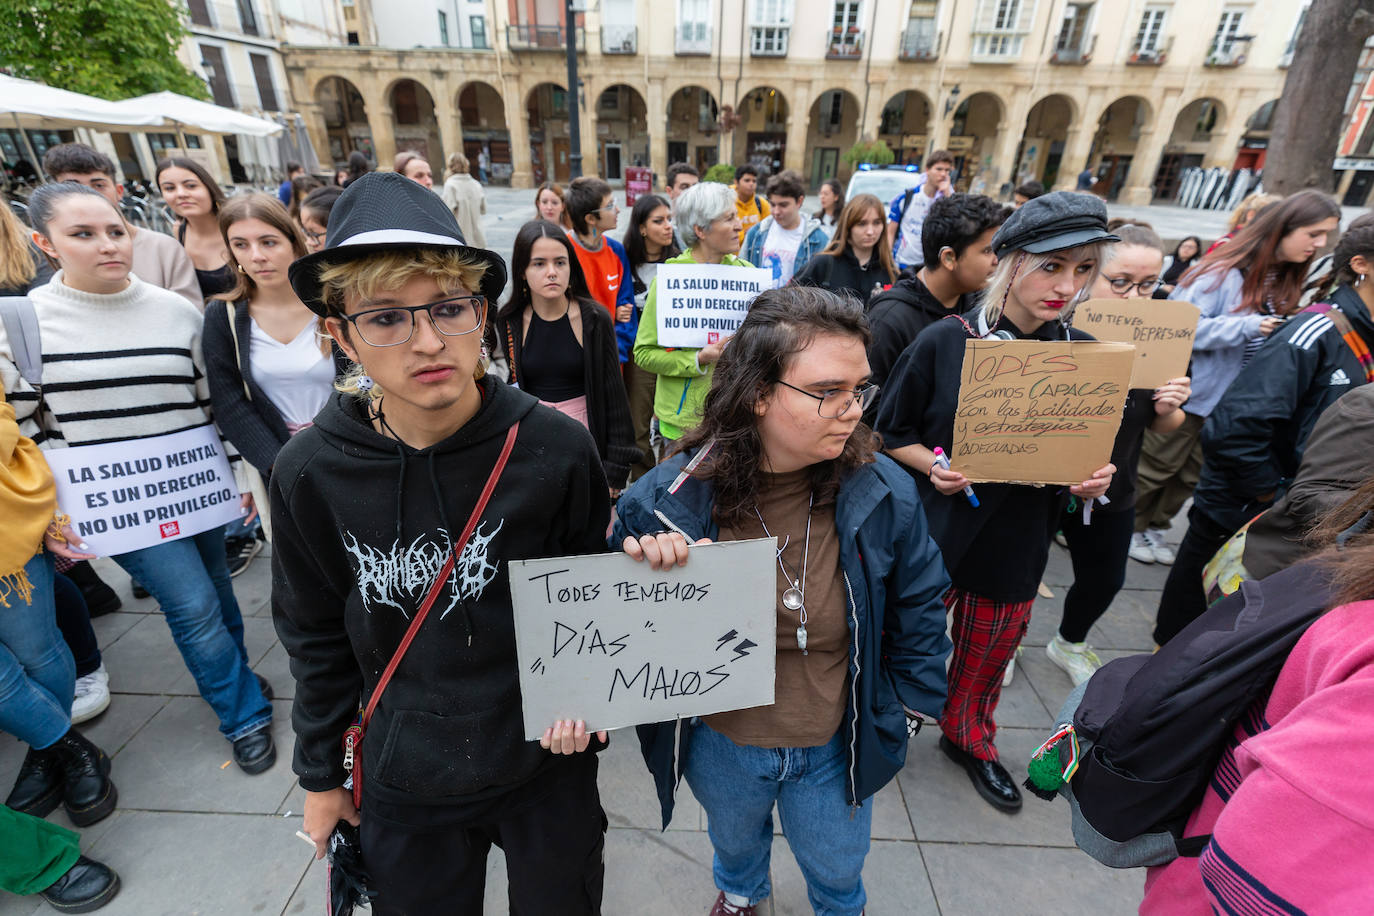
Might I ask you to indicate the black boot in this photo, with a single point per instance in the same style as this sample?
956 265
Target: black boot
88 795
88 885
100 598
39 786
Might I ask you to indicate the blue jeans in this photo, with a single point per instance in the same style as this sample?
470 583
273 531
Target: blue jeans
37 674
738 785
190 580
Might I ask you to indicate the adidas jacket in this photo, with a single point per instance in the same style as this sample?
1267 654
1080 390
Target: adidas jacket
1253 441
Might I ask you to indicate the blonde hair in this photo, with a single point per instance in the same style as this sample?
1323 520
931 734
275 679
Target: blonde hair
1251 204
1020 264
16 257
366 276
457 164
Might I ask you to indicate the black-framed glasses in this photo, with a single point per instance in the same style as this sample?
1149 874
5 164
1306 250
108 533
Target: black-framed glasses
1122 286
315 237
835 402
393 325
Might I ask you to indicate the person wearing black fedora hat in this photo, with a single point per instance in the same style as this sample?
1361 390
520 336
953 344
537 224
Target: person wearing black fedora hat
363 506
1048 253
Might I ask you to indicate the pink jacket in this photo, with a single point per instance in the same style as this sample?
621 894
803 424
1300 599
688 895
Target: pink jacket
1291 805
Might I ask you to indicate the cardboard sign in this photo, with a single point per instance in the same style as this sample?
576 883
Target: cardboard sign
1036 411
699 304
611 641
1161 330
125 496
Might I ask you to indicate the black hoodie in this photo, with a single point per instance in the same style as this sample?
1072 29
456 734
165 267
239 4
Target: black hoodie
896 316
1254 438
842 272
359 525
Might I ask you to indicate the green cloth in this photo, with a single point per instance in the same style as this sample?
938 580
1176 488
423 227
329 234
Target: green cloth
36 853
681 387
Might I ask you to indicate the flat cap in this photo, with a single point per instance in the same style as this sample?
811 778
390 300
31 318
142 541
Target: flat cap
1054 222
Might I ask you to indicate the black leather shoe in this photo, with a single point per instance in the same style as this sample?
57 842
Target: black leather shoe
87 792
88 885
38 790
255 752
265 687
989 778
100 598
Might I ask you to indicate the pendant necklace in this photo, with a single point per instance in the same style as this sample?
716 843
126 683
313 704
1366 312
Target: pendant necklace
794 597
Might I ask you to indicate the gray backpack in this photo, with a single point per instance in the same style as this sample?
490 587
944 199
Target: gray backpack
21 329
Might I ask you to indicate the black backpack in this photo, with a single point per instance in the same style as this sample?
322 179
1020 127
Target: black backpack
1148 730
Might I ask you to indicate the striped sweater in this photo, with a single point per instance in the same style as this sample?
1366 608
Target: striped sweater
115 366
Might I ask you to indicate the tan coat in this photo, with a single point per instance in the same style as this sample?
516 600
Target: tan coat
464 196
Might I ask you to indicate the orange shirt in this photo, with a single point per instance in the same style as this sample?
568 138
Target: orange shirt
603 271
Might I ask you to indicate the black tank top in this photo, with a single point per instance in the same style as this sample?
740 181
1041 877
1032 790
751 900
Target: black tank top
212 282
551 366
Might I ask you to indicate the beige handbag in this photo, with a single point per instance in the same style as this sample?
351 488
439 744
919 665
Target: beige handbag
256 485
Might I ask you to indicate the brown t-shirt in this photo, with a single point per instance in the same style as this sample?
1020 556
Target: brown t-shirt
809 692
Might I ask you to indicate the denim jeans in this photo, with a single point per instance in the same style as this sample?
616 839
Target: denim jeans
738 786
37 674
190 580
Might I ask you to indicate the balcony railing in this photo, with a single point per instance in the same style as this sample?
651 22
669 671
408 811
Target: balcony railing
1000 47
769 40
1075 57
1152 56
619 39
845 44
1228 53
693 38
920 44
542 38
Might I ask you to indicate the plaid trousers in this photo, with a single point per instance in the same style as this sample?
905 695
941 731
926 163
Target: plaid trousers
986 634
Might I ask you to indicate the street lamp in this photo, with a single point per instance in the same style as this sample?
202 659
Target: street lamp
570 10
952 100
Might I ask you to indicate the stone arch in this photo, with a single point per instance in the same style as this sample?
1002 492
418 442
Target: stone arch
761 137
1197 123
1043 140
833 129
346 124
546 106
415 121
482 122
1115 144
622 132
1254 142
905 125
978 123
693 127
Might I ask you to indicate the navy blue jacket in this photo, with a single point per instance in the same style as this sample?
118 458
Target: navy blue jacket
895 581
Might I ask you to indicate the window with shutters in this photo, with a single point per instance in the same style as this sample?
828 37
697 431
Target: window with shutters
248 20
1149 38
1228 29
771 25
200 13
921 38
443 28
212 59
693 27
1000 29
1073 28
262 75
478 24
846 15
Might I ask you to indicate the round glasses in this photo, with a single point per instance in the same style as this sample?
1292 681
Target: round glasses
1124 285
835 402
394 324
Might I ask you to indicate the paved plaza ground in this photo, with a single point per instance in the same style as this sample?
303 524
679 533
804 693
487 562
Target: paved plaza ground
194 835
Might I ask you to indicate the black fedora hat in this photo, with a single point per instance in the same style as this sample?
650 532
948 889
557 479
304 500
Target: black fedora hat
383 211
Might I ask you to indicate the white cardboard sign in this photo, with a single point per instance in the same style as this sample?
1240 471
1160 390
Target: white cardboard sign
699 304
606 639
125 496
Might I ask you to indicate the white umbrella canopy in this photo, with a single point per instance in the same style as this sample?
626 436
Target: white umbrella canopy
35 105
182 111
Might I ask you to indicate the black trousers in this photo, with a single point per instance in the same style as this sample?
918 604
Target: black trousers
1099 554
74 620
1183 599
427 861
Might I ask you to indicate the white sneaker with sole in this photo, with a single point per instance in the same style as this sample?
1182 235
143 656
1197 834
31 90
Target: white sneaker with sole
1077 659
92 695
1140 550
1161 551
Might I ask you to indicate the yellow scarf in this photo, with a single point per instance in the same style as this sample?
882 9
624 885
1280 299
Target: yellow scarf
28 499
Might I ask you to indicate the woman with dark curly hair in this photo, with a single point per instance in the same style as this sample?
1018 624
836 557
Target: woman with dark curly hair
781 453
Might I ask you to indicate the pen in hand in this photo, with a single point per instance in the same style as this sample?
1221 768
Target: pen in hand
943 461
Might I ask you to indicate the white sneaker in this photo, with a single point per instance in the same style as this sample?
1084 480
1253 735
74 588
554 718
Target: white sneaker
1011 668
1161 551
92 695
1077 659
1141 551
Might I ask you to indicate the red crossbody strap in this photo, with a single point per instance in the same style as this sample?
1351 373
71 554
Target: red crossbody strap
438 586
